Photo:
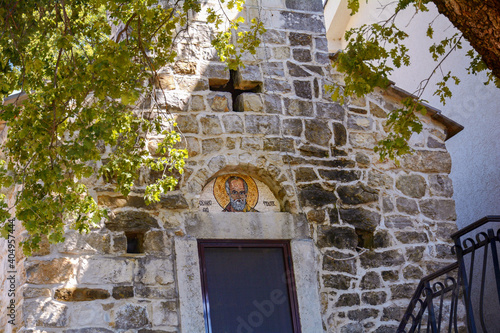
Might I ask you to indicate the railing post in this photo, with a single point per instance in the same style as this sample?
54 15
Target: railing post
496 266
462 277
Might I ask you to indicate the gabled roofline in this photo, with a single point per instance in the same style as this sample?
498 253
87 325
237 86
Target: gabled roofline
452 127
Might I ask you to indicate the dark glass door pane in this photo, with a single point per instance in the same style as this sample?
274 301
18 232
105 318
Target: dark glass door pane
247 290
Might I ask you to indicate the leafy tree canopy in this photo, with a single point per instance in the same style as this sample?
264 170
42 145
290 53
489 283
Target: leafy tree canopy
87 67
372 53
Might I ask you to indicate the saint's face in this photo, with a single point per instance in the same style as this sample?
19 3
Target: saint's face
237 189
237 194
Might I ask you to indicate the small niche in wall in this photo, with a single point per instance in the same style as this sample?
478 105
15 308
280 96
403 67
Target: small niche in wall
365 239
135 242
231 88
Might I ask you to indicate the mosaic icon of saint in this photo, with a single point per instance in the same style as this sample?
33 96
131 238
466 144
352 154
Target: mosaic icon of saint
237 190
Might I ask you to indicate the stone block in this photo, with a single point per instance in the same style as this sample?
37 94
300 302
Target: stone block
220 101
251 144
80 294
317 132
154 243
374 297
359 123
394 312
309 150
407 206
378 178
411 237
187 123
339 237
415 254
296 70
173 201
340 175
440 185
316 215
262 124
272 36
281 52
413 272
249 102
322 58
405 290
277 86
321 44
300 39
333 111
314 195
292 127
352 328
174 101
382 239
248 77
302 21
390 276
351 299
272 104
210 125
44 314
197 103
428 161
153 271
357 194
303 89
360 218
165 81
377 111
58 270
217 74
274 68
279 144
164 314
131 316
372 259
89 330
184 67
411 185
152 292
105 270
119 243
370 280
29 292
216 163
211 145
437 209
398 222
387 205
305 175
434 143
341 282
340 134
191 84
299 108
344 266
362 314
122 292
302 55
131 221
362 140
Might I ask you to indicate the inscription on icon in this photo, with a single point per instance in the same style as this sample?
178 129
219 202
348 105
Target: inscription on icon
269 203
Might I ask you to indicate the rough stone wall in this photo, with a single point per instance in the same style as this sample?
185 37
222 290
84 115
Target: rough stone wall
316 156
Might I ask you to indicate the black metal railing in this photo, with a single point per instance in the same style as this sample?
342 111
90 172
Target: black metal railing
465 293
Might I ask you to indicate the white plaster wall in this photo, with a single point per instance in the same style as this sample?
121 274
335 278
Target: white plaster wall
476 150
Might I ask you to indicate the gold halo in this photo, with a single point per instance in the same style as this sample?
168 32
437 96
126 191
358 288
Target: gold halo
222 197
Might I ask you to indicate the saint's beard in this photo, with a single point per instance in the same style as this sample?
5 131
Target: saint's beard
238 204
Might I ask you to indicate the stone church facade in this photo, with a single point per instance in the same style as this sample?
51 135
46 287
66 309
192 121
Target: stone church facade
357 233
